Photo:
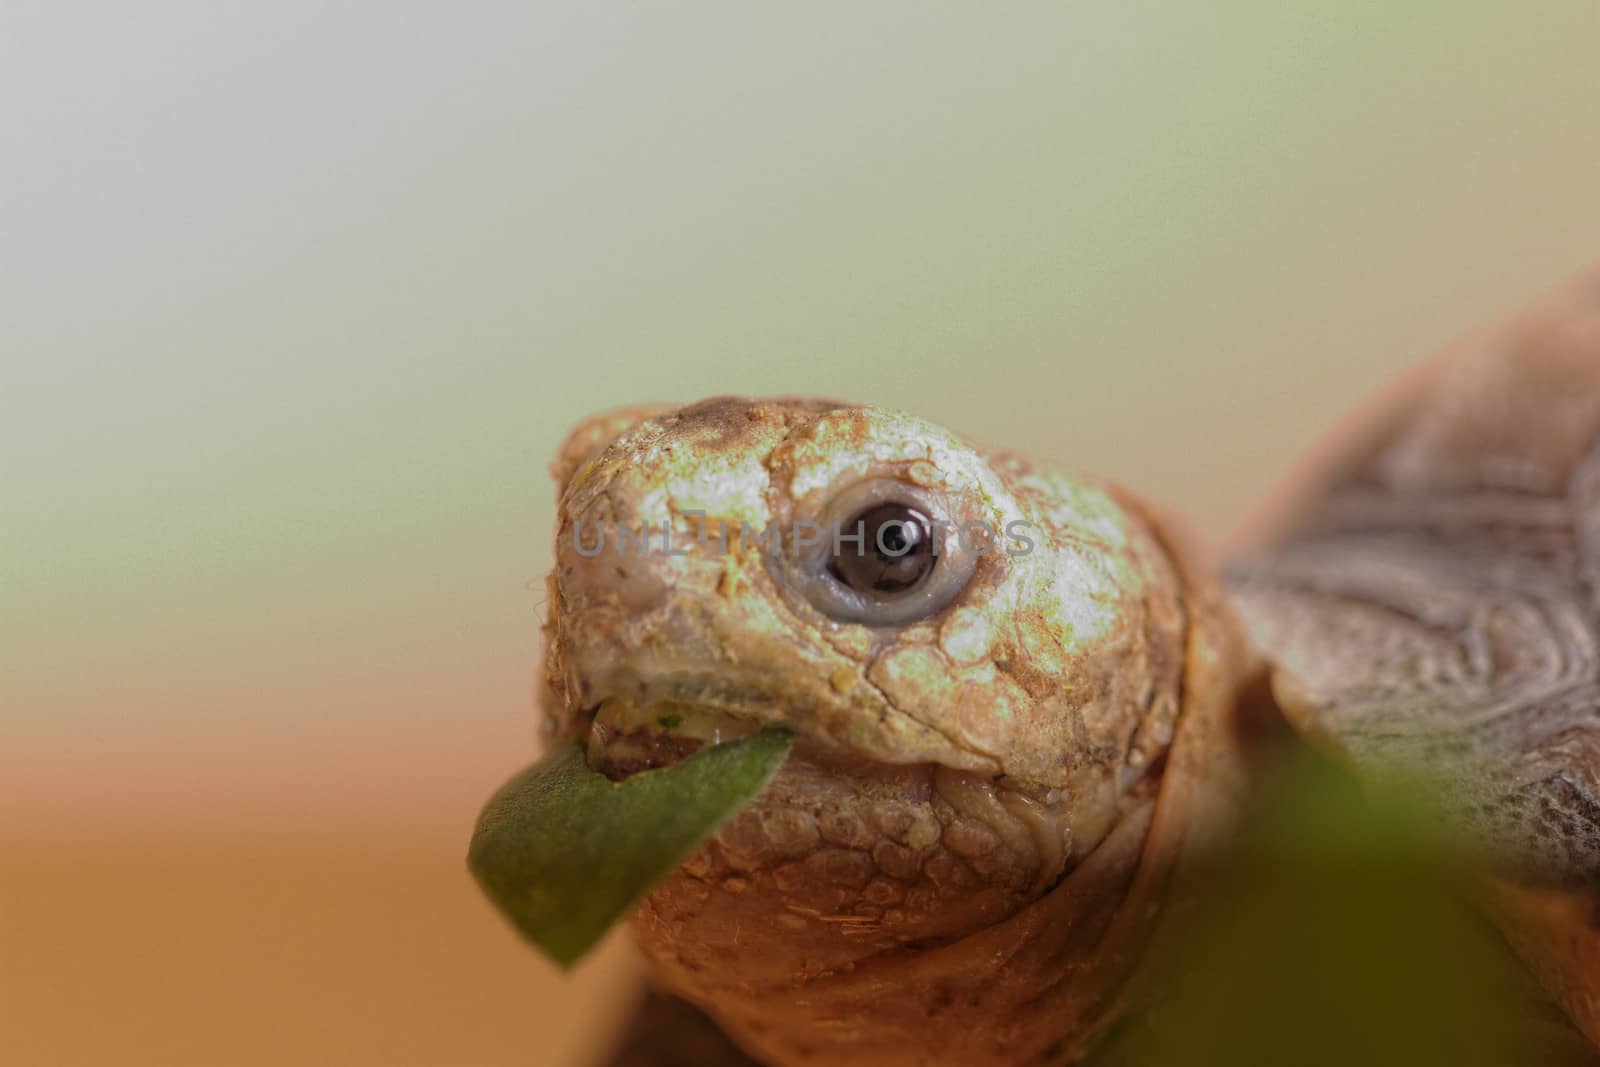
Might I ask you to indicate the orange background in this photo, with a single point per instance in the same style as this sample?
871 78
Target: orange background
296 302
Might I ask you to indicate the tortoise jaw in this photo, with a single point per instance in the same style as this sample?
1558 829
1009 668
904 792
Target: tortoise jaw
626 737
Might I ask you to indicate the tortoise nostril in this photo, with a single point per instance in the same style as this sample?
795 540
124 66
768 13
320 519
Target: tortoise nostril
593 568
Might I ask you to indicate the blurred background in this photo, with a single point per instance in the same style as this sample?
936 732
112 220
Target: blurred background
297 299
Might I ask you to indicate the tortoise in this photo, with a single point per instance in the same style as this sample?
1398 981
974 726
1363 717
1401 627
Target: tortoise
1002 752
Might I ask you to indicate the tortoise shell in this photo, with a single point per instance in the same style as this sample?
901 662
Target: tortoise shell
1426 590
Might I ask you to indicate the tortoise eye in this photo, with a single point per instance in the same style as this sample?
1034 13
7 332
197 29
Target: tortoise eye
885 550
886 555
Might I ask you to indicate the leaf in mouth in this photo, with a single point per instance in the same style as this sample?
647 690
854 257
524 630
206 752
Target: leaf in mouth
564 852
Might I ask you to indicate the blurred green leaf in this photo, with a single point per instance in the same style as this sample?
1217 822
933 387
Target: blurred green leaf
1338 932
564 852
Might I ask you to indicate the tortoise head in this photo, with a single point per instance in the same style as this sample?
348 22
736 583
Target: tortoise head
982 661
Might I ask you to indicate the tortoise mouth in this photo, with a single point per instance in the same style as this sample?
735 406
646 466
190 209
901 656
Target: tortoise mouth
626 737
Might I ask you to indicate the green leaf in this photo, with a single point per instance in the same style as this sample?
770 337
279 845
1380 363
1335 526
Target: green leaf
564 852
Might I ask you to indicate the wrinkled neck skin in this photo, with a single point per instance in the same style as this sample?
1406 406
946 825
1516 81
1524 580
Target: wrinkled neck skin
974 837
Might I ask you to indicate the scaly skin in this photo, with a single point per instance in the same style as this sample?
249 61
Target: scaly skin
973 837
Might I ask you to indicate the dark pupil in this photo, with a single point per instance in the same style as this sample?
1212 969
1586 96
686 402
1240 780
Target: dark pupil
894 552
